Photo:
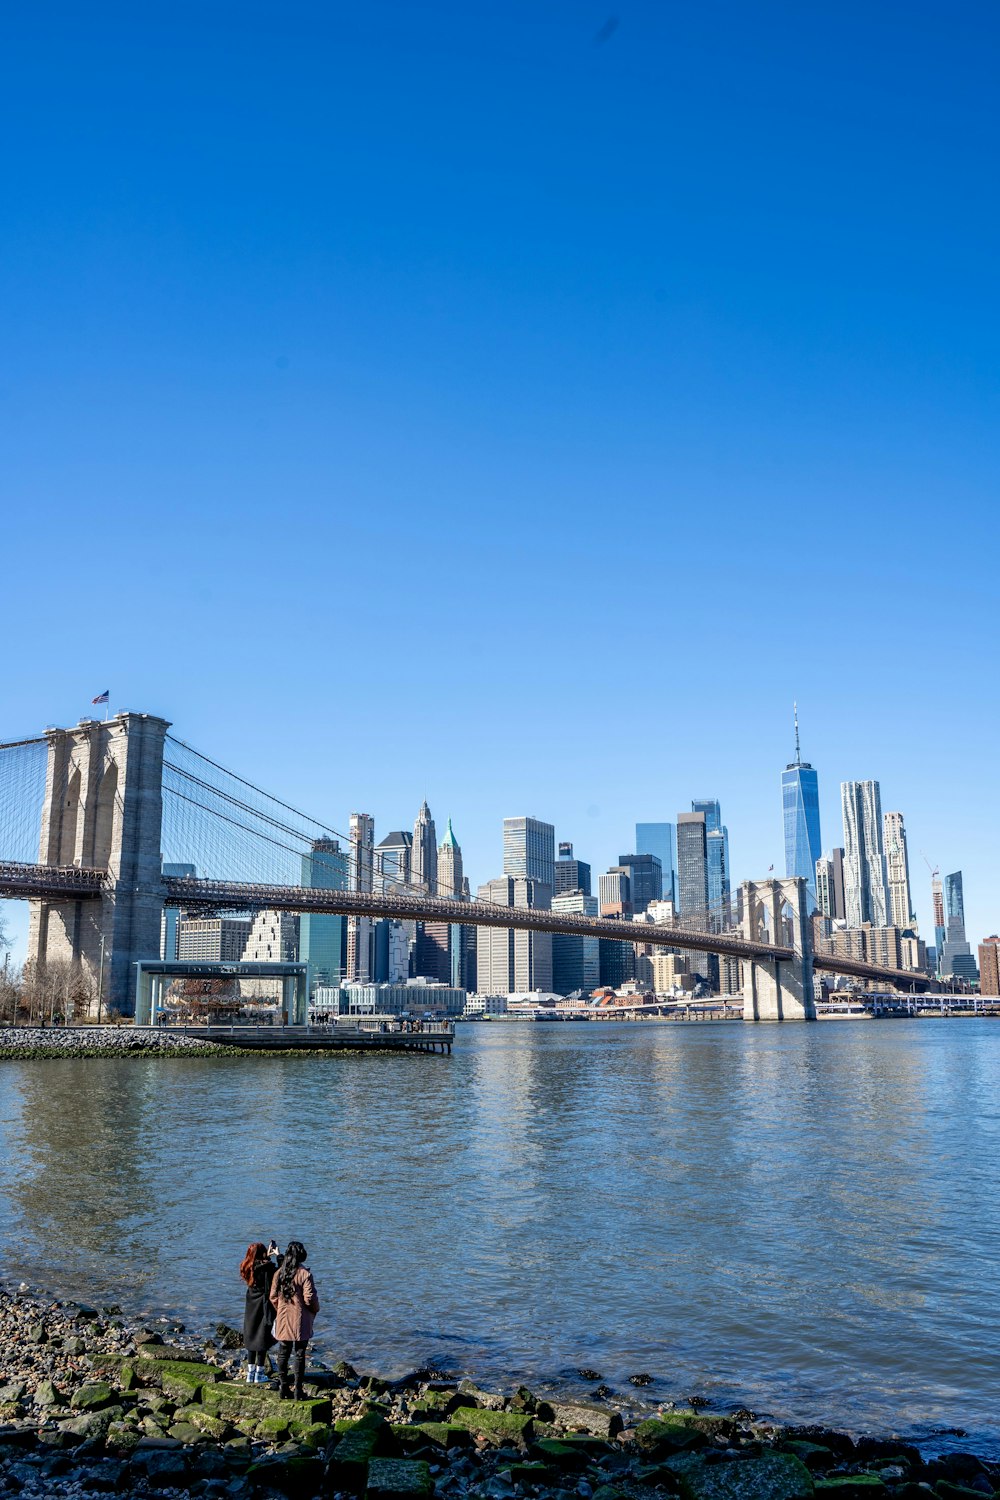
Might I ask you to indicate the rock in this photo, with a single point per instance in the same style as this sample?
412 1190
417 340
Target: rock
292 1474
46 1394
559 1455
162 1468
813 1455
589 1374
642 1379
345 1371
229 1338
776 1476
35 1333
92 1397
667 1434
438 1434
596 1420
398 1479
14 1392
497 1426
851 1487
245 1405
947 1490
487 1400
363 1441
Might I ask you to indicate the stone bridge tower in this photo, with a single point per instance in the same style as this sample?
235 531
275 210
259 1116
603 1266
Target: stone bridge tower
103 808
777 911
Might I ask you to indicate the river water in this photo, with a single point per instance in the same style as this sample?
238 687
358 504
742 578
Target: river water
802 1219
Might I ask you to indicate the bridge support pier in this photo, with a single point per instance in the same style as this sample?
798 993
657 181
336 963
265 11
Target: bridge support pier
778 989
103 808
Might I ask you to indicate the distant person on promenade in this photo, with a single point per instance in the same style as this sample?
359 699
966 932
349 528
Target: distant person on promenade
293 1293
257 1269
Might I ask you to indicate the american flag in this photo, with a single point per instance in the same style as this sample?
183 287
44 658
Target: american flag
102 697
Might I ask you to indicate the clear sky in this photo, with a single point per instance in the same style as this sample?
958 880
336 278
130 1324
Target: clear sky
513 404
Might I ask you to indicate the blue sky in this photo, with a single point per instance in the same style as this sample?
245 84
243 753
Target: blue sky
493 404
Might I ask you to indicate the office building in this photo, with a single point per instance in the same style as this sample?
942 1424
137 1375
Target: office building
669 970
897 867
576 960
171 914
615 893
937 900
423 853
392 860
660 839
432 952
645 876
956 960
212 939
617 962
865 894
571 874
692 865
830 886
360 955
322 938
800 808
529 851
274 938
509 961
989 965
450 873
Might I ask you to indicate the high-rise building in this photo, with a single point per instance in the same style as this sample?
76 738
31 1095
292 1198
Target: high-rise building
576 960
322 938
717 849
529 850
897 865
800 805
865 894
171 915
274 938
989 965
937 900
423 854
955 958
571 874
449 866
212 939
615 889
360 957
392 860
830 886
645 877
660 839
513 961
692 865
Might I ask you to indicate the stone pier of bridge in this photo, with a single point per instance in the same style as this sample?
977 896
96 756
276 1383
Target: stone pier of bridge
778 989
103 809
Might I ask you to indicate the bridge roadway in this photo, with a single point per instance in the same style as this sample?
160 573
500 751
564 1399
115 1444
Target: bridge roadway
67 883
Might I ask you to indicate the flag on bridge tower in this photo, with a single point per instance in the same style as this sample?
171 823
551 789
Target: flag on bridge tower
102 697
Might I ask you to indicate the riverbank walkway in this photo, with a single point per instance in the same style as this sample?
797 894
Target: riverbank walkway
350 1034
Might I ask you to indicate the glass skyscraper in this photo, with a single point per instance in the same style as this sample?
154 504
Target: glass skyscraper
322 938
800 804
660 839
717 851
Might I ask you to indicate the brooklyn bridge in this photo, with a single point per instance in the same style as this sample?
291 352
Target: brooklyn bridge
91 818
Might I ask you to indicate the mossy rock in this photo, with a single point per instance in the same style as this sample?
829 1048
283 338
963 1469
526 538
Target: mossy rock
559 1455
181 1379
248 1404
438 1401
120 1439
185 1432
367 1438
312 1434
399 1479
438 1434
271 1429
93 1396
529 1473
813 1455
770 1476
672 1433
580 1416
948 1490
498 1426
852 1487
292 1473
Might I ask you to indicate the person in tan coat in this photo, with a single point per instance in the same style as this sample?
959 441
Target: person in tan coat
293 1296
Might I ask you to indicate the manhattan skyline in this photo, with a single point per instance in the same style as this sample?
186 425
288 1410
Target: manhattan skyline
335 345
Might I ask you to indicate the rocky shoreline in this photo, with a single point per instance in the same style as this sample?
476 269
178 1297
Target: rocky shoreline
92 1404
23 1042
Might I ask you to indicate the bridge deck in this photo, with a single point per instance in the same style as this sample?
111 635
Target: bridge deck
319 1038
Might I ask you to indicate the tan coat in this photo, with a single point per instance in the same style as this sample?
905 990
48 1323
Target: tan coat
293 1321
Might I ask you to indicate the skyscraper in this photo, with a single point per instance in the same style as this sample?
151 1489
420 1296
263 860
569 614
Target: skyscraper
392 860
423 855
576 960
660 839
897 865
571 874
717 849
692 865
955 959
321 938
830 885
645 876
449 866
800 804
864 856
508 960
529 850
359 929
937 900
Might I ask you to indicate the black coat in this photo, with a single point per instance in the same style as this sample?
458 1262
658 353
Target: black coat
258 1314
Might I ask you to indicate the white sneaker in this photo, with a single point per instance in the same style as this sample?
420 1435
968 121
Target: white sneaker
251 1374
262 1376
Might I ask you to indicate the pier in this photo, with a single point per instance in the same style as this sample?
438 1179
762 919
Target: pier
354 1034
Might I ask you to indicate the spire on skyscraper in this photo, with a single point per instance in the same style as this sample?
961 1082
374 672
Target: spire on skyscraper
798 754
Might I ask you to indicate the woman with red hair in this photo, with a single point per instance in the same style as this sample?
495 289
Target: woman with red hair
257 1270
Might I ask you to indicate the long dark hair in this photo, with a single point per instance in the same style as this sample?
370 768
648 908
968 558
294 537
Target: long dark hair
295 1256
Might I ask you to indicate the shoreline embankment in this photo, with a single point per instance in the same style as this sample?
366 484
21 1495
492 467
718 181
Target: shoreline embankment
92 1403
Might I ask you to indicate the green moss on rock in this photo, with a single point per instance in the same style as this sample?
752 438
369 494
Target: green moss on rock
770 1476
499 1426
398 1479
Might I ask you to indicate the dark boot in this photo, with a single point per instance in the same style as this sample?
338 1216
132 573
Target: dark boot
281 1364
300 1370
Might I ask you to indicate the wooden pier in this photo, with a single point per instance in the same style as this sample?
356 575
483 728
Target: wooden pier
360 1035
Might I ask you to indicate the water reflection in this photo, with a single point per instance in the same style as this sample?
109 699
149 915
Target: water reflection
798 1217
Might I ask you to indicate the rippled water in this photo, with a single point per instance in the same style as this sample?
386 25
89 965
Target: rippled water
801 1218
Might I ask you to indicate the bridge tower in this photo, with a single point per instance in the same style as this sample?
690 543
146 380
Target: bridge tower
778 989
103 809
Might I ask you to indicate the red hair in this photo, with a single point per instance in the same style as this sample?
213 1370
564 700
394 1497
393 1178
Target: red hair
255 1253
